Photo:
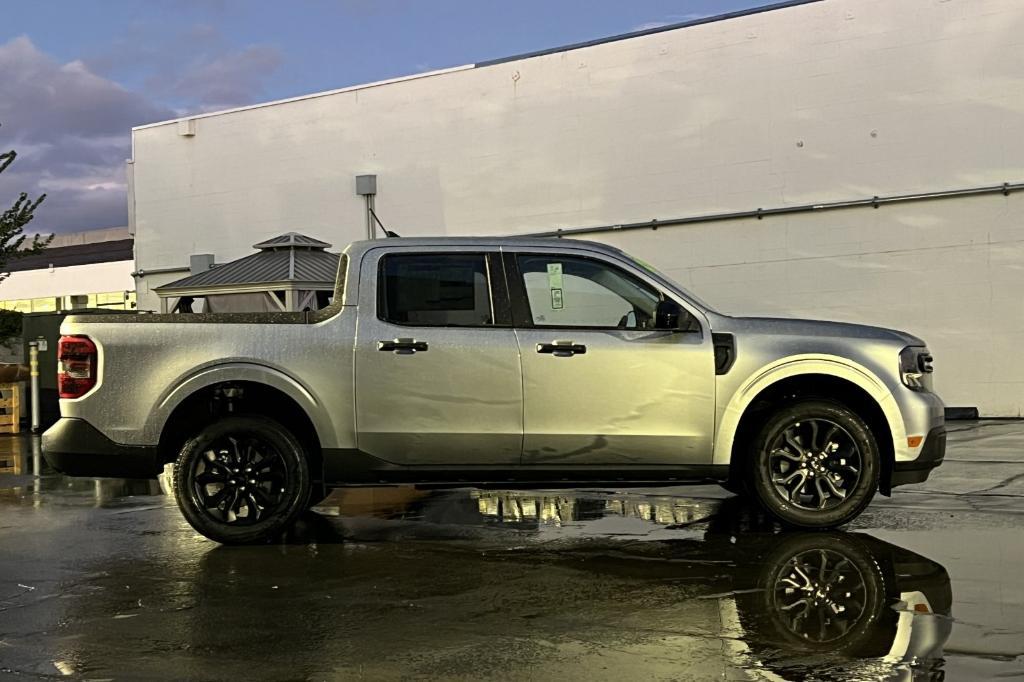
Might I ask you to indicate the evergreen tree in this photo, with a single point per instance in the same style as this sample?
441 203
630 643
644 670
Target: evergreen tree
13 243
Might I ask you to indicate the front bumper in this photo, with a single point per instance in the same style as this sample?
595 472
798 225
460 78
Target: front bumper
75 447
917 471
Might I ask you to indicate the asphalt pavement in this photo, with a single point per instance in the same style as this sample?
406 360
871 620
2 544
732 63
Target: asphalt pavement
103 579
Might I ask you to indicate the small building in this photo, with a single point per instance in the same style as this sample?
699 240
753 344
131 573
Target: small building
77 272
292 272
91 269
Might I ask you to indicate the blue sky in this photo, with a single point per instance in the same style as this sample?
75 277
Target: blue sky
76 76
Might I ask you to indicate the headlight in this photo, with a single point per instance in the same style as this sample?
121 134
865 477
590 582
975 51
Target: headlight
915 365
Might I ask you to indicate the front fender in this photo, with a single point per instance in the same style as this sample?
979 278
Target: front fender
249 371
830 365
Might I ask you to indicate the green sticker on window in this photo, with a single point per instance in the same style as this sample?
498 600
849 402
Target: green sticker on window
556 299
554 275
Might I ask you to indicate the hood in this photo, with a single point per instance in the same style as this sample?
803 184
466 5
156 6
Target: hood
794 327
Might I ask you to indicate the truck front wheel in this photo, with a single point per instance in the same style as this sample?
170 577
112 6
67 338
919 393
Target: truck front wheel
242 480
815 464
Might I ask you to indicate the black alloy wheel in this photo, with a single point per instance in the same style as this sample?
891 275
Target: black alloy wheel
242 480
239 480
814 464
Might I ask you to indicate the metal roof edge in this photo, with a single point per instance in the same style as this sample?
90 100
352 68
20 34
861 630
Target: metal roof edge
649 31
256 287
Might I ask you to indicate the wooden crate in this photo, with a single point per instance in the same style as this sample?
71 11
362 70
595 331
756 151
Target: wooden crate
10 408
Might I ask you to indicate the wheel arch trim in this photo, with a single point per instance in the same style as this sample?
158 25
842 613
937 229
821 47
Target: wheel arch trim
251 372
832 366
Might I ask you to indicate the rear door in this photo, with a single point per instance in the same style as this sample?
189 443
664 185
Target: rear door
601 385
438 377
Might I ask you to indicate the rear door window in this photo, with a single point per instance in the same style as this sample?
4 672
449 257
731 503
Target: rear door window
435 290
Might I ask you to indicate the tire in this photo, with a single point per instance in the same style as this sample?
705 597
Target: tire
814 464
226 508
735 486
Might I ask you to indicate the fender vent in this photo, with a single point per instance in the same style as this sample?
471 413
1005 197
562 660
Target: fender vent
725 352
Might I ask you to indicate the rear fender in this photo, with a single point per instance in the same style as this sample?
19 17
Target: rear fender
239 371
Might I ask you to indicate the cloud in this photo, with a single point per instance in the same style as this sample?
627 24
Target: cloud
43 99
229 80
669 20
72 131
71 123
646 26
193 70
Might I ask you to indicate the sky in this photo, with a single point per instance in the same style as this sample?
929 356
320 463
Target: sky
76 75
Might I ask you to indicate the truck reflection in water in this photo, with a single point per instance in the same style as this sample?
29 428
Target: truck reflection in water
799 603
559 510
21 457
401 582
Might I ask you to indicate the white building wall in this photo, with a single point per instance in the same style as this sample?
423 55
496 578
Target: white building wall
69 280
832 100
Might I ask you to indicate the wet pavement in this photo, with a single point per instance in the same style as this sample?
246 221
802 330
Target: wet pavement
105 580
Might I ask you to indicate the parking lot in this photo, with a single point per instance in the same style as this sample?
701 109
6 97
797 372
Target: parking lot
104 580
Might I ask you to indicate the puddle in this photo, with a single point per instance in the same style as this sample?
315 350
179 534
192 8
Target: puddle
397 581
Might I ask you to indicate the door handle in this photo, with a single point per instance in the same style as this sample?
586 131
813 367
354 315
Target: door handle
402 346
562 349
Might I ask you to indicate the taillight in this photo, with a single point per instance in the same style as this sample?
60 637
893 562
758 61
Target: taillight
76 366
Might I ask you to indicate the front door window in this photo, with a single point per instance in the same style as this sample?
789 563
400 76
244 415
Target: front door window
580 292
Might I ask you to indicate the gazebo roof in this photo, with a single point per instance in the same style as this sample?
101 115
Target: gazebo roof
292 240
292 260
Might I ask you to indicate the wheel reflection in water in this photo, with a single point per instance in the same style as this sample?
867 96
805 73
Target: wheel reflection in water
819 595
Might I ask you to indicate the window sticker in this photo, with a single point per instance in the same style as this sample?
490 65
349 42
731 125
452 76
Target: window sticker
554 276
556 299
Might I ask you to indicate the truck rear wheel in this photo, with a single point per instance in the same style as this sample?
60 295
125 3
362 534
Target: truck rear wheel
242 479
815 464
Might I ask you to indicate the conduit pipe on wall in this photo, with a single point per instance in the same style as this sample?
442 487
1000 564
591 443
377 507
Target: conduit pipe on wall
366 187
158 271
873 202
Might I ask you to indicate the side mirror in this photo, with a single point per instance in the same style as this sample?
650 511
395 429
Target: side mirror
668 315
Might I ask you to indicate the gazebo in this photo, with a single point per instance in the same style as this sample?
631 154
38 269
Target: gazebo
292 272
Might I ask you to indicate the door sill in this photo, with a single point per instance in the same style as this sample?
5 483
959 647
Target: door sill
354 467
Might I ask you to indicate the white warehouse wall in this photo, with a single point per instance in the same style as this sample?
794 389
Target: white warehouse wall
825 101
69 280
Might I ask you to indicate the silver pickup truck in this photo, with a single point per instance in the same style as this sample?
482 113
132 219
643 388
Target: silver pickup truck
466 361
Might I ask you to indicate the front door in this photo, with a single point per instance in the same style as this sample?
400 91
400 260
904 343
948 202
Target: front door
438 378
601 385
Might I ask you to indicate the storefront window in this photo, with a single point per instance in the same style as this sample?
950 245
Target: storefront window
44 305
113 300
